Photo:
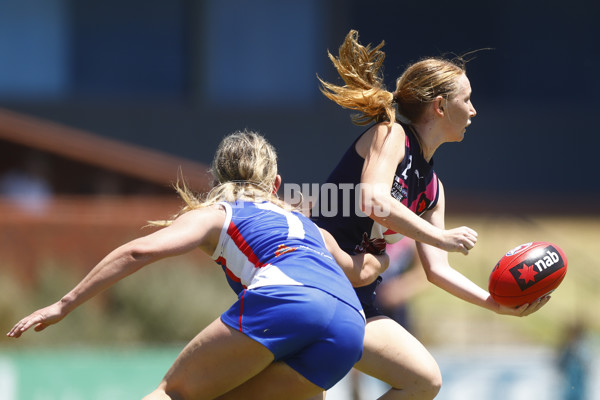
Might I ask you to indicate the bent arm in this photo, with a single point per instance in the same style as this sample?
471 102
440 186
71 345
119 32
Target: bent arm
383 149
197 228
361 269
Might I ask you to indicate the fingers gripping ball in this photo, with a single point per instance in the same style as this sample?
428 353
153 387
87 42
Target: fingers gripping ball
526 273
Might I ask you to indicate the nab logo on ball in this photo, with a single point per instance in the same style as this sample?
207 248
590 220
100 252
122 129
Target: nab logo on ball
540 264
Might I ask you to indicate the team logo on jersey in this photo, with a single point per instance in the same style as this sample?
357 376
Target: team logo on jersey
423 204
283 249
399 191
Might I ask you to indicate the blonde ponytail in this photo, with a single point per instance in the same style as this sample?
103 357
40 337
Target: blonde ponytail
361 69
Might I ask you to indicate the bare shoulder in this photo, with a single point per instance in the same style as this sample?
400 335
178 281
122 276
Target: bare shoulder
331 244
381 136
205 223
212 216
215 210
384 131
328 237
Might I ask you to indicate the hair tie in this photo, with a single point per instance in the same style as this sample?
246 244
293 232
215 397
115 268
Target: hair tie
260 185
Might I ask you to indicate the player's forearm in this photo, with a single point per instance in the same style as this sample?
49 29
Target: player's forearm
352 266
114 267
457 284
374 265
393 215
366 268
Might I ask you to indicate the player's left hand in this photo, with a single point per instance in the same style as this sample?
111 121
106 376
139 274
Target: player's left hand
373 246
41 318
525 309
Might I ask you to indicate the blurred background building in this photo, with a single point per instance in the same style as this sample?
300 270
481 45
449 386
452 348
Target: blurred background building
175 76
104 103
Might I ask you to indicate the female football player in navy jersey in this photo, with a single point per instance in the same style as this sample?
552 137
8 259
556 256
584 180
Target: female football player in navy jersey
297 327
391 166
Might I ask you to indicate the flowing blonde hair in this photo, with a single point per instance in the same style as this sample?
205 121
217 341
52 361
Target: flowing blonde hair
364 91
360 68
244 167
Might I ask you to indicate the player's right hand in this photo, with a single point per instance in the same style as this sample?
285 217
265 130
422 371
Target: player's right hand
525 309
41 318
460 240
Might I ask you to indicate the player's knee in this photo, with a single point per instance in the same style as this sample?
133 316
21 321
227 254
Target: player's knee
425 385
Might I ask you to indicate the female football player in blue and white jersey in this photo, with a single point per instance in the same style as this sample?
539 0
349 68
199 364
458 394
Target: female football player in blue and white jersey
297 327
391 166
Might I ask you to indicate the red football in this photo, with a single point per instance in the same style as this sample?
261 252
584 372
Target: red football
527 272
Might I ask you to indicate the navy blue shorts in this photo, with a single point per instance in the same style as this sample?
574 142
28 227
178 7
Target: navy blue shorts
366 295
313 332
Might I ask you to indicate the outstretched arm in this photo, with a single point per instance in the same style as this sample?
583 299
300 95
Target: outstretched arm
361 269
197 228
439 272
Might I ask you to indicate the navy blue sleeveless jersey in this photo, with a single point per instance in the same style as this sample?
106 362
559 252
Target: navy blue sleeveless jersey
415 185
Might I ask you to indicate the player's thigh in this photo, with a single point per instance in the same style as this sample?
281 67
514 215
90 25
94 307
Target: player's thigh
394 356
278 381
218 359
